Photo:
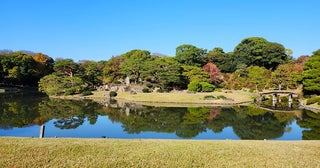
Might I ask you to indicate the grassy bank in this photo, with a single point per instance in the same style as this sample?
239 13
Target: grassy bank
28 152
233 98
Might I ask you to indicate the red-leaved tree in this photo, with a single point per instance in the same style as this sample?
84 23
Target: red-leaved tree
214 72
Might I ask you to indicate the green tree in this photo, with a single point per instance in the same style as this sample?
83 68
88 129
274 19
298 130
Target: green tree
257 51
258 76
93 74
285 76
311 74
134 63
190 55
112 70
224 61
165 72
193 73
67 67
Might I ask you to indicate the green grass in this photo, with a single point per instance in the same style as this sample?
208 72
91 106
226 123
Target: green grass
186 98
29 152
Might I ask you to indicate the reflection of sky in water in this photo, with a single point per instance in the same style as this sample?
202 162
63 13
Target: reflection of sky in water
294 134
107 128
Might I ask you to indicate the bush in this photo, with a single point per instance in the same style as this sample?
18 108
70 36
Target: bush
209 97
145 90
218 90
150 86
70 91
313 100
207 87
221 97
86 93
113 94
194 86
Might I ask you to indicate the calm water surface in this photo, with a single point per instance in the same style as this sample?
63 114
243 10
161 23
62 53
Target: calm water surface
23 116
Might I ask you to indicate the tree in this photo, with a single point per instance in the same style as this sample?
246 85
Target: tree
18 68
190 55
193 73
134 62
112 70
213 72
165 72
258 76
66 67
311 74
286 75
257 51
92 74
57 85
44 65
224 61
274 54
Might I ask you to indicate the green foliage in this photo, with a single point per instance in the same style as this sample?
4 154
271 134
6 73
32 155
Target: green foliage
313 100
194 86
187 54
224 61
257 51
311 74
164 72
23 68
70 91
67 67
258 76
197 86
146 90
209 97
134 63
86 93
207 87
113 94
56 85
193 73
221 97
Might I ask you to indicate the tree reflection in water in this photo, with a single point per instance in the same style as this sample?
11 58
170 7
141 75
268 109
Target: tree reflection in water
311 121
246 122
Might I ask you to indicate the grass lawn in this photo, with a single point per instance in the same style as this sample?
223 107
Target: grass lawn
186 98
32 152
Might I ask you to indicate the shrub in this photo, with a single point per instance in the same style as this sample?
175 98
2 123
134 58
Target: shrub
70 91
160 90
150 86
313 100
145 90
209 97
86 93
218 90
113 94
194 86
207 87
221 97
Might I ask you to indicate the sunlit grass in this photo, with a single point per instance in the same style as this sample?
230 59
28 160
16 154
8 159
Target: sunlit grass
186 98
28 152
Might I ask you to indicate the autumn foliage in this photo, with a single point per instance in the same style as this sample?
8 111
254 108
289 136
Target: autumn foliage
214 72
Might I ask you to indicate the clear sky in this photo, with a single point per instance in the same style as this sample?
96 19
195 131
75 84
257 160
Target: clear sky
100 29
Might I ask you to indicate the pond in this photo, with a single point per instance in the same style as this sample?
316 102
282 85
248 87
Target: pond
23 115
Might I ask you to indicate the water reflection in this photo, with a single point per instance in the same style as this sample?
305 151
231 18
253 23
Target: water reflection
246 122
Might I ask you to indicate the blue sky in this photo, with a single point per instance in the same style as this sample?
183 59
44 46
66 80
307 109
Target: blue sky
100 29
